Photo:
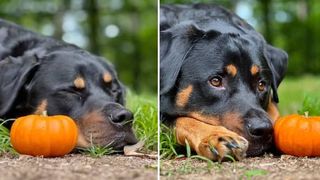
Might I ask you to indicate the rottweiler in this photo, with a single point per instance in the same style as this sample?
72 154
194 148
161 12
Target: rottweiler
218 81
39 73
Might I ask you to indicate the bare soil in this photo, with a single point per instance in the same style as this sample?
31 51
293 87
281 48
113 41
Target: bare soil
266 167
77 167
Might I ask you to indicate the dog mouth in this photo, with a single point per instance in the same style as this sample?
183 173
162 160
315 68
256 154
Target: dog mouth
114 140
258 149
105 134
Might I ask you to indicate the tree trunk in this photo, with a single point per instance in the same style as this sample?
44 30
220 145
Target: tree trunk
58 18
94 26
266 10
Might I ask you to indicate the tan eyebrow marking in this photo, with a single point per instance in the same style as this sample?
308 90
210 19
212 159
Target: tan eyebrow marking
107 77
254 70
183 96
232 70
79 83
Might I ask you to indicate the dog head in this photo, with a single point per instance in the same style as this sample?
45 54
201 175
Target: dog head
222 76
73 83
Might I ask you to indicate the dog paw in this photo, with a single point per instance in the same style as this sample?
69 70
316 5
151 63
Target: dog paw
218 146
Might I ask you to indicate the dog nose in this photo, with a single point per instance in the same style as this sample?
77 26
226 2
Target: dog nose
258 128
121 116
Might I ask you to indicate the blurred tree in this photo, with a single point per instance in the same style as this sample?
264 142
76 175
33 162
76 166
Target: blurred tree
266 11
94 25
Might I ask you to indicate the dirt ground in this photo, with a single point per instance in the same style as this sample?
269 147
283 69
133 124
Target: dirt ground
77 167
267 167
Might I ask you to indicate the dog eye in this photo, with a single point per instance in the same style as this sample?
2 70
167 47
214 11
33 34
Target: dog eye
74 92
261 86
216 81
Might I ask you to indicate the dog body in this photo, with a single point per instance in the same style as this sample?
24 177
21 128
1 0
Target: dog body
218 81
39 73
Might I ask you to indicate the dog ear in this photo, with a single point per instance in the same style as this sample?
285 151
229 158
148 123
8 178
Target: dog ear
278 62
175 45
15 72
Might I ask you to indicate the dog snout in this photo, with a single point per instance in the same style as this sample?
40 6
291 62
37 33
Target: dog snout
121 116
117 114
259 128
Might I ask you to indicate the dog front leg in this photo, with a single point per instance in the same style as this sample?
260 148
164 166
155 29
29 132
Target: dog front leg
213 142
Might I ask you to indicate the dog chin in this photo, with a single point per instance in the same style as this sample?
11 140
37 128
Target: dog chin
126 139
115 140
257 150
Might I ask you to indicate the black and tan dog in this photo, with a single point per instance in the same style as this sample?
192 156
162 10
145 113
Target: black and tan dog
38 73
218 81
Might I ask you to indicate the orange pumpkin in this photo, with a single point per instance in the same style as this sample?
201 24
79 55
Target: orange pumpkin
298 135
42 135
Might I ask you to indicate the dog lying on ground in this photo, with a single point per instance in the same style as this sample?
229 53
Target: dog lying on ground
218 81
39 73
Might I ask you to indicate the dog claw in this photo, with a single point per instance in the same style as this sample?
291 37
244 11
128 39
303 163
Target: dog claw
214 151
232 145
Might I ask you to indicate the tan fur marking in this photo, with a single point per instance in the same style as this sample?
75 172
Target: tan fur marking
232 70
107 77
79 83
82 142
183 96
254 70
41 107
233 122
212 120
94 129
273 111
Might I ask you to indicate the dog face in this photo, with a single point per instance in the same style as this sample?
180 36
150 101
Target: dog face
224 79
76 84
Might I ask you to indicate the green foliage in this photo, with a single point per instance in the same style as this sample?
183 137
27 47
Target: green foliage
5 145
310 105
97 151
145 122
169 147
292 92
249 174
187 165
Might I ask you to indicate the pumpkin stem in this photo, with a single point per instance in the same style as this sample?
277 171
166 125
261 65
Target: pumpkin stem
44 113
306 114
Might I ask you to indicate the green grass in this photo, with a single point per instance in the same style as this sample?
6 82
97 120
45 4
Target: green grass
249 174
145 126
145 122
5 145
169 147
293 90
97 151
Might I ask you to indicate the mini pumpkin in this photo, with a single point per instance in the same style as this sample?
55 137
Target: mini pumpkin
42 135
298 135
